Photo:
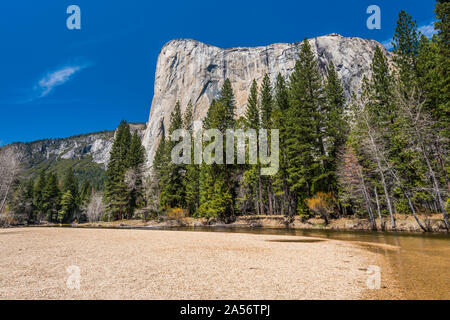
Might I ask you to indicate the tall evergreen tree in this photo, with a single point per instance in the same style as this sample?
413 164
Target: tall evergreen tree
116 190
171 181
217 184
406 47
67 203
252 175
335 124
134 174
37 193
304 144
192 176
252 112
279 121
227 99
442 24
266 102
51 197
266 123
70 183
85 193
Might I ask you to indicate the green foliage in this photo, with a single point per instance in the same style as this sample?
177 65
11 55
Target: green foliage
406 46
335 125
123 185
51 197
304 143
191 181
217 185
266 102
67 205
252 113
171 174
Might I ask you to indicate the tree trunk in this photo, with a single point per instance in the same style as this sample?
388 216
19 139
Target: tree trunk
367 198
383 180
269 196
261 204
378 209
435 184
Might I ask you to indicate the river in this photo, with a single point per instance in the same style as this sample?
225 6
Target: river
421 262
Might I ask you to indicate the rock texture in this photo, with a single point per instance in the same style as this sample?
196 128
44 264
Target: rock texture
188 70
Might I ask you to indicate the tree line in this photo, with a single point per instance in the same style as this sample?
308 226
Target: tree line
49 198
383 152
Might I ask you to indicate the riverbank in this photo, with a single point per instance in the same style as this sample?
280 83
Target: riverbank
138 264
404 223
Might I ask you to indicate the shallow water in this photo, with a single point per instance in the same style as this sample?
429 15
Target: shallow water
421 262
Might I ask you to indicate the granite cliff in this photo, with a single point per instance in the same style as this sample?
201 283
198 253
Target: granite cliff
188 70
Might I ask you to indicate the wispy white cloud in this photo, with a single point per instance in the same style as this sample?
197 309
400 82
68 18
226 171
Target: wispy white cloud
51 80
57 78
426 29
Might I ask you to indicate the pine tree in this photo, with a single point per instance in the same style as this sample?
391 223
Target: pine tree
67 203
116 190
136 153
279 121
85 193
252 112
134 174
381 103
406 46
227 99
217 186
191 179
252 174
429 79
266 123
304 144
335 124
70 183
37 194
188 116
266 102
442 24
171 180
51 197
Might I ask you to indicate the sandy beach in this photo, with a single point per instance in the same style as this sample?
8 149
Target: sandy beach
143 264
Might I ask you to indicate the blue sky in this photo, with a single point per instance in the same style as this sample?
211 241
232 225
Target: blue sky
56 82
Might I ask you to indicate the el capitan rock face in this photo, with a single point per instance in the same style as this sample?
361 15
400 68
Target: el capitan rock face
188 70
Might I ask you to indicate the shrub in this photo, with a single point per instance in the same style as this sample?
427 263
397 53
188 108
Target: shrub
175 213
323 204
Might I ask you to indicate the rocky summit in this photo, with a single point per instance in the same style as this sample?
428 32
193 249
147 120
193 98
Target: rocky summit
189 70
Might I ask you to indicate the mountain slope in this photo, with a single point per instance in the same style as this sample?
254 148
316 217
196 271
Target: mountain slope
87 154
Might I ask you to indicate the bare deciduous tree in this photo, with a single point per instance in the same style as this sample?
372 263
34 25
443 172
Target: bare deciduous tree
352 182
10 165
95 208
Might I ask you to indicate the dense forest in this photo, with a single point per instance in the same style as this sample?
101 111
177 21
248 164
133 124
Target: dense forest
382 153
